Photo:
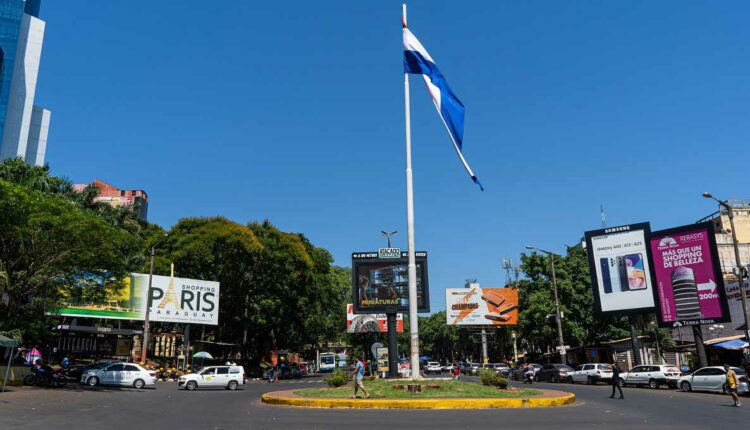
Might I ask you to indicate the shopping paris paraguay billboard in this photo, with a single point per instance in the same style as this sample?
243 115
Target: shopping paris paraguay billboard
181 300
689 283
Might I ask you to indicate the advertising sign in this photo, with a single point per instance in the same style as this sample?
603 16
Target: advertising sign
370 323
381 285
93 296
620 269
382 358
481 306
689 283
181 300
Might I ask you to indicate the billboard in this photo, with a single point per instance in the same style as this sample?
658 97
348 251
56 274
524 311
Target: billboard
370 323
620 269
178 300
689 283
181 300
94 296
481 306
381 285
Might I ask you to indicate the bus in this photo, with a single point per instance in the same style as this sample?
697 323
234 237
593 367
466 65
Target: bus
327 362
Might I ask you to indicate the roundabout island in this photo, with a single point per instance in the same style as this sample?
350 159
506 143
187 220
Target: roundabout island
424 394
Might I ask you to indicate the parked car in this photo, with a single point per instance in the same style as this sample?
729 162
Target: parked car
501 369
591 373
471 369
304 369
653 375
448 368
228 377
554 372
712 378
120 374
289 371
433 367
77 371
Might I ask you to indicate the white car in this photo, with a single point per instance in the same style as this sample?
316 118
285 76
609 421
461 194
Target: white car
591 373
433 367
120 374
228 377
651 375
712 378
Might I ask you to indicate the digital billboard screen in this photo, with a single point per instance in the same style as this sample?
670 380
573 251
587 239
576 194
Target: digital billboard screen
689 283
620 269
381 285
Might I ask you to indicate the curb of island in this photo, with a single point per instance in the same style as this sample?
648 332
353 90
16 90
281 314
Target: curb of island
288 398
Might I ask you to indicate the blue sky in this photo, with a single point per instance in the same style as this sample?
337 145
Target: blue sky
293 112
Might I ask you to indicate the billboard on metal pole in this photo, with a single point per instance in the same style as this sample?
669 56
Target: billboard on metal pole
689 283
481 306
620 269
381 285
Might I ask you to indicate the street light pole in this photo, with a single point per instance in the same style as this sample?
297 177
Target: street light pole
743 293
557 303
146 325
388 235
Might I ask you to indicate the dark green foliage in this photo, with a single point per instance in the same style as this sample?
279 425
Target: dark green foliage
491 379
337 379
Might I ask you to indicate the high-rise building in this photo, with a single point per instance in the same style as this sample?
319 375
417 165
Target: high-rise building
23 125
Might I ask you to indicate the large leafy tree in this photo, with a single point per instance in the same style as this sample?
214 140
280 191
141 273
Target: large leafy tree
277 289
45 242
537 325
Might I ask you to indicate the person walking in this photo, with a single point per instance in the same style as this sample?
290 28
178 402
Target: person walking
358 374
616 381
456 372
732 382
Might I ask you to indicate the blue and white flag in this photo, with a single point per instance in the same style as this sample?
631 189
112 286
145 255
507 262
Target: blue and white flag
418 62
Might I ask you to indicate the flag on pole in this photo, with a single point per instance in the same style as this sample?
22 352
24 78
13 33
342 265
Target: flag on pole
418 62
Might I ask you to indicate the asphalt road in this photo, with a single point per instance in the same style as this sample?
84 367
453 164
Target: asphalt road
166 407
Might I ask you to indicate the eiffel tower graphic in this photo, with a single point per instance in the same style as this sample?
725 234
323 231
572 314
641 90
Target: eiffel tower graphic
170 296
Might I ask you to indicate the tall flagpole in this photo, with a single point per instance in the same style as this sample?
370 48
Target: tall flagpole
413 320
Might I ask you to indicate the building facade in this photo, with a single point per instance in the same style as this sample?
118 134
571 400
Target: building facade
137 200
23 125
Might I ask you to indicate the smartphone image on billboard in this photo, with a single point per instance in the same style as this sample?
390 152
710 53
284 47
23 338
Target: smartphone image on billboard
604 266
613 274
635 272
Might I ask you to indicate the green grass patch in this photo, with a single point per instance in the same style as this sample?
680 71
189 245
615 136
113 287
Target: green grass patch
383 389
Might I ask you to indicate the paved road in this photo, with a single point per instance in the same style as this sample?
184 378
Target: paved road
165 407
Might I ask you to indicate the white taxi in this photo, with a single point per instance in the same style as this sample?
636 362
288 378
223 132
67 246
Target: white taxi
227 377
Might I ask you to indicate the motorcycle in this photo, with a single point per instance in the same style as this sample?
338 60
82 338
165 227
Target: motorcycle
46 378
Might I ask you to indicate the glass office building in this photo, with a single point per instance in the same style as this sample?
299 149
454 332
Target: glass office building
23 125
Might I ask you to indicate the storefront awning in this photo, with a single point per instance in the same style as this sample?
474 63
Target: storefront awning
736 344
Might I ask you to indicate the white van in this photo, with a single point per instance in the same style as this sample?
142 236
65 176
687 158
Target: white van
228 377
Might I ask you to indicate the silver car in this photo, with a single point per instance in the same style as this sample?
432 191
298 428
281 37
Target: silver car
712 378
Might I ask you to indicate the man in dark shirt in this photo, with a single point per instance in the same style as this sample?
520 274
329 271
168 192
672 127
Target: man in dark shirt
616 381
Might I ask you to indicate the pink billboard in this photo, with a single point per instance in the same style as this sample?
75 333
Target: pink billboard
689 285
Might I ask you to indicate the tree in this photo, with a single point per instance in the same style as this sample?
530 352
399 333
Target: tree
537 325
45 242
277 289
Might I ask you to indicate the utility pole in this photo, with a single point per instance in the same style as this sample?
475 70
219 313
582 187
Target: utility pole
561 340
146 325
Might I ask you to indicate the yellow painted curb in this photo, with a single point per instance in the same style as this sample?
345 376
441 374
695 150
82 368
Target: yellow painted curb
277 398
